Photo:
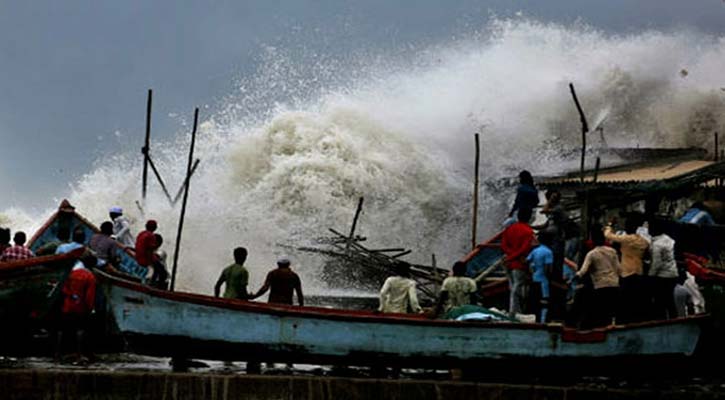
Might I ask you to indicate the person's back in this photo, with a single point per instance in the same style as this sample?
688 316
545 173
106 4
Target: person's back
602 265
62 237
516 244
235 276
459 290
633 248
79 237
398 293
121 227
698 214
282 283
527 197
146 244
79 291
18 251
104 247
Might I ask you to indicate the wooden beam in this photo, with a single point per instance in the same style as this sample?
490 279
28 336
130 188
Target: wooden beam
475 194
351 236
186 182
585 129
146 147
183 202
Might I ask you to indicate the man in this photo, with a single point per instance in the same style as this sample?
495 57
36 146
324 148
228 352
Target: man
398 292
79 296
104 247
121 227
160 276
18 251
516 245
79 239
634 290
145 247
63 237
235 276
527 197
540 262
602 266
663 272
281 283
456 290
698 214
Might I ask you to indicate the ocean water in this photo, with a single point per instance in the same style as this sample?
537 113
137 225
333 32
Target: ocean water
295 145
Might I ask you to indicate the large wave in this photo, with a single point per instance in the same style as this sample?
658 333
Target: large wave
287 156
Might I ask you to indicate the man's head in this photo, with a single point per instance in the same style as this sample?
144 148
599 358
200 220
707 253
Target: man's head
597 236
151 225
79 236
115 212
89 261
283 262
525 178
699 205
402 269
63 234
240 255
545 237
656 228
159 240
524 215
633 222
107 228
19 238
4 235
459 268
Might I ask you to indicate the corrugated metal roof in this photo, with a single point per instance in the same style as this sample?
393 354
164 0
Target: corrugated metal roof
636 174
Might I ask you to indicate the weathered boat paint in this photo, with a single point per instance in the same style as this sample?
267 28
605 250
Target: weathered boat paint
167 323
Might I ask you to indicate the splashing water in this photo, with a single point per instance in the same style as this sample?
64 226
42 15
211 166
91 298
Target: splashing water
288 156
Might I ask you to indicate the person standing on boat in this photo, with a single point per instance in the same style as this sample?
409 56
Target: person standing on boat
634 290
553 229
281 283
79 297
235 276
145 247
4 239
121 227
104 247
398 294
602 266
160 277
663 272
540 262
18 251
457 290
516 244
527 197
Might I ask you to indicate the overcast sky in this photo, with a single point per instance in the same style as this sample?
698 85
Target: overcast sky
74 73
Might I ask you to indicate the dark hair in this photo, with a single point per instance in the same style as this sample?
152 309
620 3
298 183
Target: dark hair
632 223
19 238
4 235
107 228
63 234
79 235
524 215
240 255
159 240
699 205
89 260
656 228
402 269
525 178
151 225
459 268
597 236
545 237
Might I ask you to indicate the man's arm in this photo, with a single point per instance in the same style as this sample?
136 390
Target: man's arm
219 282
413 298
300 297
261 290
585 266
613 237
384 294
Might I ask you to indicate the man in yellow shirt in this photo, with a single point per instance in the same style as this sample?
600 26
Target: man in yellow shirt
634 291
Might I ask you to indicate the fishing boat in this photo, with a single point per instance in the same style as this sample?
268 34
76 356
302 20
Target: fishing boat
66 217
30 289
190 325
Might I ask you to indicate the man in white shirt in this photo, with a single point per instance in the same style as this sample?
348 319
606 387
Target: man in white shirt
398 293
457 290
121 227
663 272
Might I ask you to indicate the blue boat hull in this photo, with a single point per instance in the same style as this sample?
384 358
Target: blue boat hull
164 323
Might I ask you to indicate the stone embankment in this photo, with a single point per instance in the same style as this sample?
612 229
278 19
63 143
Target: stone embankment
92 385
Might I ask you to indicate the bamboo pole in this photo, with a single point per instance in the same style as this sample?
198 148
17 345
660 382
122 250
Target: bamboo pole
158 176
475 194
184 200
186 182
354 223
585 129
436 275
145 149
717 148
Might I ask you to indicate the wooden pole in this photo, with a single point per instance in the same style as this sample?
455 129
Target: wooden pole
158 176
585 129
186 182
596 170
354 223
436 275
475 194
145 149
183 202
717 148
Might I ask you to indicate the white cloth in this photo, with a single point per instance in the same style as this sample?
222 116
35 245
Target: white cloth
663 257
459 289
122 231
397 294
698 301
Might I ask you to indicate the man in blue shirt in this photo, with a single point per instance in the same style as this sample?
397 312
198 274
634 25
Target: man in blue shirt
540 262
698 214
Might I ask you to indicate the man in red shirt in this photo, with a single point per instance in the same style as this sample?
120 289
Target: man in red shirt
79 299
282 282
145 247
516 243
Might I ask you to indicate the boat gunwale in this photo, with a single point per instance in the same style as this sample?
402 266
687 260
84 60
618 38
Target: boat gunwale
372 317
48 261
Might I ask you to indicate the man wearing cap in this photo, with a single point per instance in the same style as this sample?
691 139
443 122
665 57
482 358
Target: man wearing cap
145 247
121 227
282 282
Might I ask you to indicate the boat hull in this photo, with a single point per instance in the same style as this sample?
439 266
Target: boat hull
163 323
